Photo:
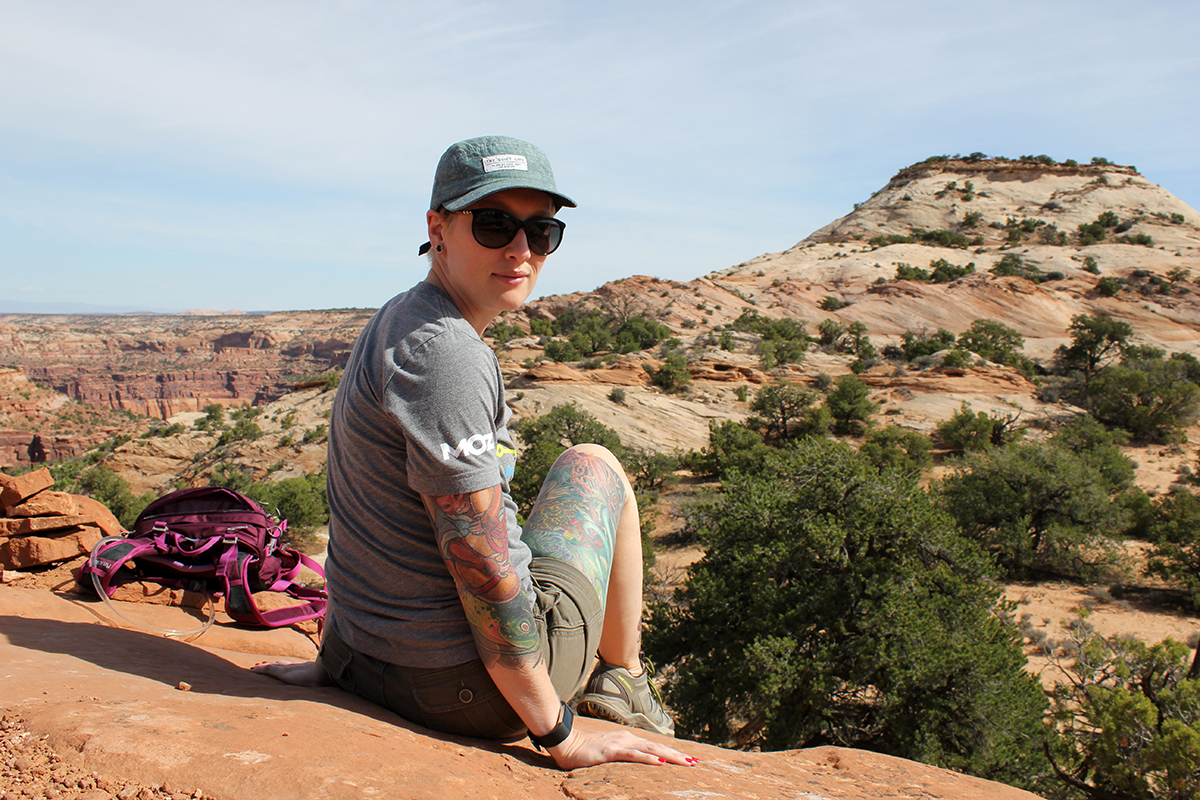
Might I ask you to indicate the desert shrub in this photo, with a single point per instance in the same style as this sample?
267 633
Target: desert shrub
617 395
672 375
316 435
971 431
1090 265
1174 529
893 447
1012 265
994 341
1144 239
541 327
907 272
943 238
102 484
1109 286
835 605
501 331
1151 398
831 303
891 238
639 333
1050 234
562 350
972 219
781 408
942 271
1038 508
849 403
1090 233
1128 719
918 344
244 430
731 447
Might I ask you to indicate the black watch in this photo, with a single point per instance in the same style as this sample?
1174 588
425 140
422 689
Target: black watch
558 734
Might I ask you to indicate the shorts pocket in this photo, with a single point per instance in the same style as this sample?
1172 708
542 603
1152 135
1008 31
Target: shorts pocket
463 700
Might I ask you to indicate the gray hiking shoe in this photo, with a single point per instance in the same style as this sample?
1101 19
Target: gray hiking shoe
615 695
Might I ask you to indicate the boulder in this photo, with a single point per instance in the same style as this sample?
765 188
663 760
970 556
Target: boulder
42 504
22 552
16 489
164 712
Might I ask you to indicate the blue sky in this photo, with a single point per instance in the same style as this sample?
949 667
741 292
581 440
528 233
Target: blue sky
278 154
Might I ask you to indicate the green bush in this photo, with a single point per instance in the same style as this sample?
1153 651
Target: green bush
850 405
1039 509
732 446
1128 719
831 303
244 430
894 447
672 375
835 605
943 238
1150 398
1012 265
781 409
994 341
915 345
562 350
102 484
617 395
971 432
1174 528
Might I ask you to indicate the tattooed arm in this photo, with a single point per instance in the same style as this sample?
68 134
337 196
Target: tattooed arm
472 535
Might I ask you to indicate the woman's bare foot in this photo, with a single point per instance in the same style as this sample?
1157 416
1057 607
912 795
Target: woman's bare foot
304 673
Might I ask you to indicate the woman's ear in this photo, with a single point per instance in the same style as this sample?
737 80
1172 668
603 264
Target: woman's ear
436 222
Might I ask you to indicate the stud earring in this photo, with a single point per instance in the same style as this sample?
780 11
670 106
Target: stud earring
439 248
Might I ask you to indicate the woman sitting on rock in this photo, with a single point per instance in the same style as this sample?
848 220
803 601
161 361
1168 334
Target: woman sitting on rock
442 608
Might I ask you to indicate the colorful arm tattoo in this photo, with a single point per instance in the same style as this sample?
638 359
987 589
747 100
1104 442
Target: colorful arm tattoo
472 534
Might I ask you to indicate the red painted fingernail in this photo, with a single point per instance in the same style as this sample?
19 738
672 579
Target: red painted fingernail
662 760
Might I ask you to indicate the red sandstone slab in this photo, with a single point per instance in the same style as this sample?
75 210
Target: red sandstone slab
24 486
25 526
22 552
43 504
108 701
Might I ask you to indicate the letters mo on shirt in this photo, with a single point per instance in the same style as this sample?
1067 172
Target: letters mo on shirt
476 445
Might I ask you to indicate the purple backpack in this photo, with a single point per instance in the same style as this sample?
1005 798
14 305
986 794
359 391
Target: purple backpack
215 541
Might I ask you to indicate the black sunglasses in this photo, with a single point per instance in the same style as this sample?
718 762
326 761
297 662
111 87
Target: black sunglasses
494 229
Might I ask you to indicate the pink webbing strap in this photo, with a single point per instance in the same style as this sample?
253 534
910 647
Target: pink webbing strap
111 558
239 601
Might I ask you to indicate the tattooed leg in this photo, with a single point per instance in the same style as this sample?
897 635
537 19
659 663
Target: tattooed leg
586 515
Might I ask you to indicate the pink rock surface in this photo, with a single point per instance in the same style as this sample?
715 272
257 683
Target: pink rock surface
109 700
14 490
22 552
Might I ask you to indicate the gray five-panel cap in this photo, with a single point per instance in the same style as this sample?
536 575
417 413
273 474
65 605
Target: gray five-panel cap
475 168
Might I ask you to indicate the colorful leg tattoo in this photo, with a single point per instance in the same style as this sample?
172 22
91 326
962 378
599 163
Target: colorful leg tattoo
575 517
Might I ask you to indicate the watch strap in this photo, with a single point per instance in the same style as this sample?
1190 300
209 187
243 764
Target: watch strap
558 734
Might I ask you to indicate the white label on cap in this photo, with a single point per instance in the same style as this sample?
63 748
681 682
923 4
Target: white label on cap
510 161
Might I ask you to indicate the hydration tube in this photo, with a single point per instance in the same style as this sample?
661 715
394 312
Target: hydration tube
168 632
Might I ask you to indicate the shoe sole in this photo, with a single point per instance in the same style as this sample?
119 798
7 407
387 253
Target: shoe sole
597 709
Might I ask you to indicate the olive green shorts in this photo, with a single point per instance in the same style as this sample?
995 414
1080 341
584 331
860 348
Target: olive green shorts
462 699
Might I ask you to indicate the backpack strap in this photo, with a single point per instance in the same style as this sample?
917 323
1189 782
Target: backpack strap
109 556
239 600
